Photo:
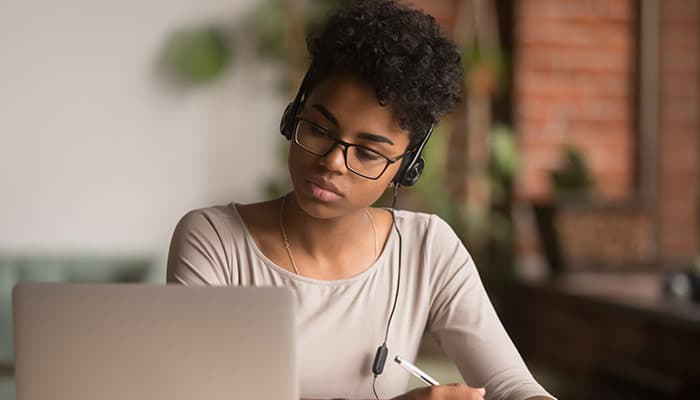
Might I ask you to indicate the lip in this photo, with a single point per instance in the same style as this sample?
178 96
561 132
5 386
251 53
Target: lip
323 184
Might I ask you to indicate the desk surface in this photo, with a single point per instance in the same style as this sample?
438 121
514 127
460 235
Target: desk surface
610 330
633 292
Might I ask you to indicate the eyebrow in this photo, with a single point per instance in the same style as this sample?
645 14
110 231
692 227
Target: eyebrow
362 135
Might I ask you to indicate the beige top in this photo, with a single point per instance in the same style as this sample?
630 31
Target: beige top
342 322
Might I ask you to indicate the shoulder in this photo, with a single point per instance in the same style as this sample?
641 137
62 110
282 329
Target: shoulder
425 224
219 227
198 248
220 218
431 237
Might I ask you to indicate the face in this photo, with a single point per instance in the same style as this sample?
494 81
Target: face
347 108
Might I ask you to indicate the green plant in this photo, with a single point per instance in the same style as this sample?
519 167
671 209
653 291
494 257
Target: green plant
433 189
573 180
271 19
195 56
268 25
484 69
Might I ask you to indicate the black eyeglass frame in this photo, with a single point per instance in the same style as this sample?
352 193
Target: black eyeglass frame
346 145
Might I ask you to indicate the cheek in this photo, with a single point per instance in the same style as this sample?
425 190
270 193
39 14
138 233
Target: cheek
295 165
296 158
378 187
391 172
291 156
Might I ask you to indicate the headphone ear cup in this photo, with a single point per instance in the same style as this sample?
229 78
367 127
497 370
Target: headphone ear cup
287 121
413 173
401 173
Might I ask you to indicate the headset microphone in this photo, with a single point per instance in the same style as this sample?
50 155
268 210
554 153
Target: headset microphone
380 359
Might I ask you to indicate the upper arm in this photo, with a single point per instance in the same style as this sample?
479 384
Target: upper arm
198 251
465 324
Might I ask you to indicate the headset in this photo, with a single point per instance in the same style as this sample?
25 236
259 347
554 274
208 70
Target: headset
408 174
411 166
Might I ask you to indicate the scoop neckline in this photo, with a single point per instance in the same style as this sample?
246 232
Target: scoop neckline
322 282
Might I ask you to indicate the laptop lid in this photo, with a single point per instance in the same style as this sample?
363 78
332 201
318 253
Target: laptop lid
148 342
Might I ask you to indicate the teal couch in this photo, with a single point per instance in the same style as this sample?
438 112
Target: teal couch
49 268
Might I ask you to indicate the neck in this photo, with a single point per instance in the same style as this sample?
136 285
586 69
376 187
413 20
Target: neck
326 239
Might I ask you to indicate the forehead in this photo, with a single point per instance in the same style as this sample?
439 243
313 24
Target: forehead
354 103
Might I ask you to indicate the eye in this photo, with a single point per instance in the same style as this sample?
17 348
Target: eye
318 131
367 155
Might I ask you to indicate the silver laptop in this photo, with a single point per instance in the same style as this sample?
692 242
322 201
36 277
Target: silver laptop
147 342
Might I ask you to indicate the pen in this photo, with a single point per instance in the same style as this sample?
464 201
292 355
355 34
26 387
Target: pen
415 371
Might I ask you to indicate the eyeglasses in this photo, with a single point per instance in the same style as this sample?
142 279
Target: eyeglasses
359 159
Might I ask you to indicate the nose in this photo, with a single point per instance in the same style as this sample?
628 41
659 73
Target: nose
334 160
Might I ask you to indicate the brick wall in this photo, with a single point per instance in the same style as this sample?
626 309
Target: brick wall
574 77
679 147
575 80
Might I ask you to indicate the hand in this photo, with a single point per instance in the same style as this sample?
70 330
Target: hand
453 391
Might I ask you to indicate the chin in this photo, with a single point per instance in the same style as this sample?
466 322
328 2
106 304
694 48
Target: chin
316 208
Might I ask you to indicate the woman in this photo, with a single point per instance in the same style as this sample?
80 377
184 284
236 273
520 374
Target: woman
381 76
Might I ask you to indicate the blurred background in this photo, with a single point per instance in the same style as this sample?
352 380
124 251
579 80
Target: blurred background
570 170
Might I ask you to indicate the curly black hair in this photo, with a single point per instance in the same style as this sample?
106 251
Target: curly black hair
400 52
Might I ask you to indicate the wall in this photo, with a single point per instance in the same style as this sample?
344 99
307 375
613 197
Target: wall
98 152
577 80
678 209
574 80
